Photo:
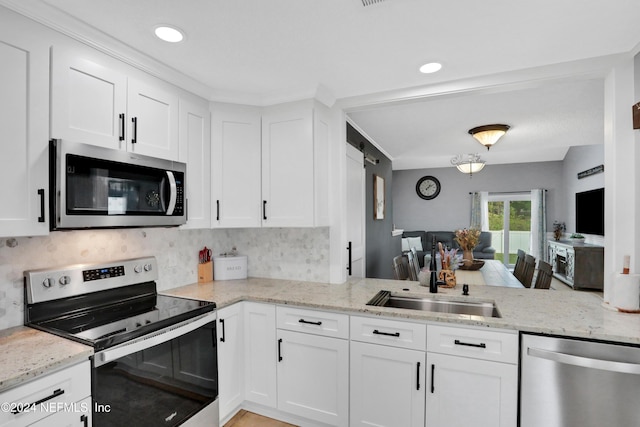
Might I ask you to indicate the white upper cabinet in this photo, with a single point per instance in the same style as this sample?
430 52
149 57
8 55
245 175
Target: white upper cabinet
96 101
195 150
236 166
153 112
24 114
270 166
294 156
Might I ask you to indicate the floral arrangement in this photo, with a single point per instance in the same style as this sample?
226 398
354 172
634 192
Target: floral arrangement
467 238
449 258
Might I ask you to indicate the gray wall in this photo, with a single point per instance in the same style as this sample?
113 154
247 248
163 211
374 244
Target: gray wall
579 159
381 246
451 209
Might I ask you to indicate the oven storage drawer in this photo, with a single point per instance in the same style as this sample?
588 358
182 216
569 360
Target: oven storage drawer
496 346
43 396
323 323
389 332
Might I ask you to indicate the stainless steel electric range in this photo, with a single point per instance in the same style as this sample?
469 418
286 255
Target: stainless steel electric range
155 357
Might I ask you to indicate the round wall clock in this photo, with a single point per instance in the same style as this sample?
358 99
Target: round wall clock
428 187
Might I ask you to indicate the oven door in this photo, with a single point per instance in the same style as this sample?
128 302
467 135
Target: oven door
161 379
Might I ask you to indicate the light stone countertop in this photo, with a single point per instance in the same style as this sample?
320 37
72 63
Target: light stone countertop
26 353
572 313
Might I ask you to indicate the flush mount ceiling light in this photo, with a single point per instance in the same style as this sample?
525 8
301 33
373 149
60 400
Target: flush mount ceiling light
488 135
169 34
431 67
471 164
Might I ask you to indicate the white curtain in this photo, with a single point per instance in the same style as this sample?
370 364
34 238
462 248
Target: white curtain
538 224
480 210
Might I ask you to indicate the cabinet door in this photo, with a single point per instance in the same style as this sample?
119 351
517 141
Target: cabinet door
24 85
260 353
88 100
236 157
288 167
153 112
195 149
77 414
230 359
465 391
387 386
313 377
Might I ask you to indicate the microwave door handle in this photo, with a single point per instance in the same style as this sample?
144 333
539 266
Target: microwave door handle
173 193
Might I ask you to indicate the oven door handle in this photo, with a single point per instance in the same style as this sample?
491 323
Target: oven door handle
152 339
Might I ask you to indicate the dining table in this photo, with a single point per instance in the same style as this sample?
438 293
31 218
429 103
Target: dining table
492 273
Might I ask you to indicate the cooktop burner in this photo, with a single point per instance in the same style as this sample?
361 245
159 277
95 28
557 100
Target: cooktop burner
104 305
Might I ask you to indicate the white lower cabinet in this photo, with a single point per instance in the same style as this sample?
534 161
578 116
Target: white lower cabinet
387 386
230 336
260 354
472 377
313 377
62 398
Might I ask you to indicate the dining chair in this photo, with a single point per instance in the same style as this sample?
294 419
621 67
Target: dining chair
400 267
543 278
414 267
517 270
529 267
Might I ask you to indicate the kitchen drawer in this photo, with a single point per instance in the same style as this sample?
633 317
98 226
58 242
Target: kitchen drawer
497 346
389 332
68 385
313 322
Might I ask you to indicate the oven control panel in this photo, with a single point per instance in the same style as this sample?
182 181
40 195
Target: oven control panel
51 284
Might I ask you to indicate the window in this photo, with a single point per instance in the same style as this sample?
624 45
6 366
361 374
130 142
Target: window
510 225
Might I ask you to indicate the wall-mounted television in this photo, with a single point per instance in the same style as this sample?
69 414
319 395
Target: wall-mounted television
590 212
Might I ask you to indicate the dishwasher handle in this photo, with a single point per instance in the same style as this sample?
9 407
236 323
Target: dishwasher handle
585 362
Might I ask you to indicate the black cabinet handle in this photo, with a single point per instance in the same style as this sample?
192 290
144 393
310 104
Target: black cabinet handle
280 350
433 374
222 326
217 210
468 344
309 323
418 377
264 209
134 137
41 194
389 334
85 420
349 262
121 136
22 408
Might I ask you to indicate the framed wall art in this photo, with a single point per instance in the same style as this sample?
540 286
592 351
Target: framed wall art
378 197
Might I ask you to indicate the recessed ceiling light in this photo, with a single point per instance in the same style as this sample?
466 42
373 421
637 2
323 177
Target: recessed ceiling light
431 67
169 34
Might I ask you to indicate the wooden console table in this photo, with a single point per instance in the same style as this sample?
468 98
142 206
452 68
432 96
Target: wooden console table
579 265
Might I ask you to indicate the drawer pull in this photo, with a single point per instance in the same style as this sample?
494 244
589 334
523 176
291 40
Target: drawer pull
389 334
468 344
309 323
53 395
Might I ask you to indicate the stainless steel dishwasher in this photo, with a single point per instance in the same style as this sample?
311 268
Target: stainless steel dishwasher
570 383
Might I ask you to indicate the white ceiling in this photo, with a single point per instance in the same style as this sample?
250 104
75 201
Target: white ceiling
263 51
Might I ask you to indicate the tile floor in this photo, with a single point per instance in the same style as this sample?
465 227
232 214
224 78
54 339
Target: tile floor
249 419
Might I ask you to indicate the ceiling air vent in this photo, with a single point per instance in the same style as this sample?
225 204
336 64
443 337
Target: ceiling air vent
370 2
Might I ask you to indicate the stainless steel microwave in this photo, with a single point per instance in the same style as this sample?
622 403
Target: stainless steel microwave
96 187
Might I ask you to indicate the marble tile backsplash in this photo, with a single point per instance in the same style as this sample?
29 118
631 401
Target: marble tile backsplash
277 253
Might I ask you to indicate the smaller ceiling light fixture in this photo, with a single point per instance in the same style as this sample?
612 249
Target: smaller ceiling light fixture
471 164
488 135
169 34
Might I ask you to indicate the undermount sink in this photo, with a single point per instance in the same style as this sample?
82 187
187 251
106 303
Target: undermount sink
472 308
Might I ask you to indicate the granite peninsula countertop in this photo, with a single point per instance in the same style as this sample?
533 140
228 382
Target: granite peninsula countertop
569 313
26 353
